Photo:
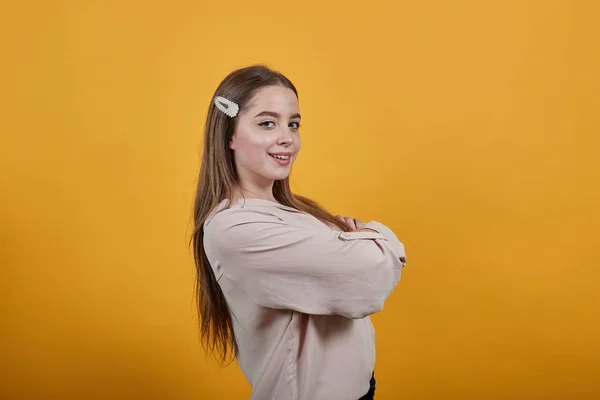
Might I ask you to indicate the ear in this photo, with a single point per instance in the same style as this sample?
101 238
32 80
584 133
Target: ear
232 143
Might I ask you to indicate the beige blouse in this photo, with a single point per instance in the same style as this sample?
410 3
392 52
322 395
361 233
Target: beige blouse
301 293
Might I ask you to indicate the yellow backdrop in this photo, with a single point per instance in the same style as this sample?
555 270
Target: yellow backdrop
469 127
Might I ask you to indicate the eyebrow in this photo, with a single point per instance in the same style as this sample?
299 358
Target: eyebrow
275 115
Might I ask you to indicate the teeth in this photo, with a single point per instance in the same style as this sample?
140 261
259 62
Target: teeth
281 157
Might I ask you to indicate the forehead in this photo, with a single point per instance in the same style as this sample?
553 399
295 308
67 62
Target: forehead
273 98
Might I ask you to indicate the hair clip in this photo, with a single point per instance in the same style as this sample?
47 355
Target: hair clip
231 109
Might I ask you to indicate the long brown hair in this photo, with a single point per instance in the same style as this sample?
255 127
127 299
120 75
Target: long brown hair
217 182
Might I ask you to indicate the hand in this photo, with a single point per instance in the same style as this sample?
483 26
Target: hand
352 223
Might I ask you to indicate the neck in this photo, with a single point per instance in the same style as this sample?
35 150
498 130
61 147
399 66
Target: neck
253 194
255 190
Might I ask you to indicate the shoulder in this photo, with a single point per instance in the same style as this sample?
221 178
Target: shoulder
238 225
226 215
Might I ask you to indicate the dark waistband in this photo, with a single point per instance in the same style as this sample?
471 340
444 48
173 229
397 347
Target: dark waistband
371 393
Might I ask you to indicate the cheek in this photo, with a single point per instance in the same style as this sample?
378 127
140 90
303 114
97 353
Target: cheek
252 149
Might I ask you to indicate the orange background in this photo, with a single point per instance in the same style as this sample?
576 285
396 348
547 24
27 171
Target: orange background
471 128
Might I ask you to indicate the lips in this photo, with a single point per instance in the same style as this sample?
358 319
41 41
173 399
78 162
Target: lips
282 159
282 156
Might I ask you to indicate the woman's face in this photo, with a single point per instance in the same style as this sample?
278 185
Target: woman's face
266 139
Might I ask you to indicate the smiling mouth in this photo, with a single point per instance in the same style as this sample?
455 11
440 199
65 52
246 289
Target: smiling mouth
280 157
285 156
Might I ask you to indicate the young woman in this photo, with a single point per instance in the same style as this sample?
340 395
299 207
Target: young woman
283 285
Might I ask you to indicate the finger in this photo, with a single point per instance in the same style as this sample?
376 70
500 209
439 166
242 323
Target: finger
340 218
358 223
350 223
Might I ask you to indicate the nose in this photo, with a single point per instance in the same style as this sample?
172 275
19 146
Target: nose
285 139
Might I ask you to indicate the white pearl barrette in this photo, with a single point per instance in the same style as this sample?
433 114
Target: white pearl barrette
227 106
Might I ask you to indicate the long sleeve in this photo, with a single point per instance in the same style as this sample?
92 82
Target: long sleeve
303 268
396 244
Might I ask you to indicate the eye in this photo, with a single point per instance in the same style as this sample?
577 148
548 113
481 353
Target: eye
295 125
267 123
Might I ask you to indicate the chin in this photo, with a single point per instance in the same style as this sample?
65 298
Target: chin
279 175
